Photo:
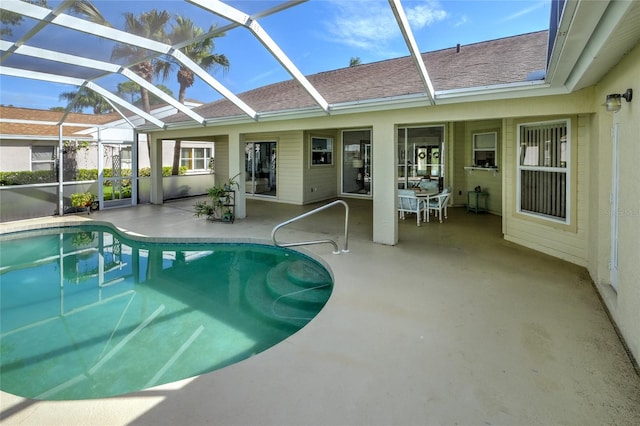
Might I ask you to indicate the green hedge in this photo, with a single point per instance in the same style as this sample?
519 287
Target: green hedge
49 176
27 178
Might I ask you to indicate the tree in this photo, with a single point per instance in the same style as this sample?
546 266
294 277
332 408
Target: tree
82 8
129 89
200 52
86 98
149 25
354 61
10 19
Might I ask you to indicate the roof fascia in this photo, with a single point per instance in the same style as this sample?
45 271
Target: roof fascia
577 22
600 35
418 100
44 138
407 34
228 12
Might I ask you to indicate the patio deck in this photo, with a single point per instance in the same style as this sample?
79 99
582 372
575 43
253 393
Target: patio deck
453 325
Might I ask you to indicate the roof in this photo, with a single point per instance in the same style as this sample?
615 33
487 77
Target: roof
502 61
51 118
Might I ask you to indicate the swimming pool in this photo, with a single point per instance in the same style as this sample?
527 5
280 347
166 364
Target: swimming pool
87 312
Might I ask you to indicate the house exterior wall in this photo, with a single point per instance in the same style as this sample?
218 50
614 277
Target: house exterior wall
320 181
15 155
466 180
623 304
565 241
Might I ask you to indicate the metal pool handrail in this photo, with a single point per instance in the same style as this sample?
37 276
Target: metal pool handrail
328 241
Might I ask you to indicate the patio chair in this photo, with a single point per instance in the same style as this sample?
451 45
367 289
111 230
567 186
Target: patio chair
438 203
409 203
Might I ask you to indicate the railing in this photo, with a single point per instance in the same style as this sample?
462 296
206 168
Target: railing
328 241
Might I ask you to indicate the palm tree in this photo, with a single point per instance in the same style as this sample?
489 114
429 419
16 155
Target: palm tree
200 52
354 61
150 25
86 98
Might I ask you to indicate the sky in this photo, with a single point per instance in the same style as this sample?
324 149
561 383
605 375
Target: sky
317 36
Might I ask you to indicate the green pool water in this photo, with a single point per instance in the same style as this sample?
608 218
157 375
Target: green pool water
86 313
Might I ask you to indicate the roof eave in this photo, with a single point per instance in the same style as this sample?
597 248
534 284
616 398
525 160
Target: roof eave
443 97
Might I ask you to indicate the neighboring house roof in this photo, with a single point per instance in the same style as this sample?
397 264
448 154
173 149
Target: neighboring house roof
27 119
502 61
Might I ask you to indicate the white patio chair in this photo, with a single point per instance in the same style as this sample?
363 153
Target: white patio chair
409 203
438 203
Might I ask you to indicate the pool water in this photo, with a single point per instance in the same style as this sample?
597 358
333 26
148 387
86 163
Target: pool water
86 313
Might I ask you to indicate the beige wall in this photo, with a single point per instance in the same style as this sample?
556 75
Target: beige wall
320 182
624 305
466 179
566 241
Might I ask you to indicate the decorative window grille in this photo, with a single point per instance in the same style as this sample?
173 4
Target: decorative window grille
543 170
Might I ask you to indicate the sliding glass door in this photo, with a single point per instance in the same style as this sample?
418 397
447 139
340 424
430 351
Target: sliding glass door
260 163
356 162
420 155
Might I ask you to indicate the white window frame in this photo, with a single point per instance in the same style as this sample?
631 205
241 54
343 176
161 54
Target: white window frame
566 170
494 149
206 158
52 161
315 144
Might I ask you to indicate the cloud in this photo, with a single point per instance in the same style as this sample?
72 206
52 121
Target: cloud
523 12
369 25
460 22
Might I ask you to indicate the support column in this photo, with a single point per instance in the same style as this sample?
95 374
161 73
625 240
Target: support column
385 222
157 193
236 165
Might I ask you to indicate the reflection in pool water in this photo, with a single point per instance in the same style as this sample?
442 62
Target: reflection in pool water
86 313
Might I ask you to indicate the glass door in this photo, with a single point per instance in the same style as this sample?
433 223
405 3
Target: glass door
356 162
420 155
261 168
115 174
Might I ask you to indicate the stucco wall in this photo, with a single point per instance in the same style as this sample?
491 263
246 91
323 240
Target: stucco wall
623 304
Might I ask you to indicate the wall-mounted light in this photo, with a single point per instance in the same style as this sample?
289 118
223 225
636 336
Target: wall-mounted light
614 101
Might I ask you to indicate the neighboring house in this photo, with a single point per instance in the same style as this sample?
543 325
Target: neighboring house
31 140
523 117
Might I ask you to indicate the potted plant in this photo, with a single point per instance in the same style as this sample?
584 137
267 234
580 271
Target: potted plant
231 183
220 207
82 201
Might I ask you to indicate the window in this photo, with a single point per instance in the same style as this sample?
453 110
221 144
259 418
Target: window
43 158
484 149
195 159
543 184
321 151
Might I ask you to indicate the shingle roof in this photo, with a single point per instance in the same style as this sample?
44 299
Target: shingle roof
501 61
30 129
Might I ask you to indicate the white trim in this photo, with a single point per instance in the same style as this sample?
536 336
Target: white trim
566 170
235 15
403 24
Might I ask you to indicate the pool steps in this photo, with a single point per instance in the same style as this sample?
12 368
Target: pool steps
290 295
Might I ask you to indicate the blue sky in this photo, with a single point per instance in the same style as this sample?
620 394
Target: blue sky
317 36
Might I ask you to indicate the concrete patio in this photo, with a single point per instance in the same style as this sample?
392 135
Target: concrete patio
452 326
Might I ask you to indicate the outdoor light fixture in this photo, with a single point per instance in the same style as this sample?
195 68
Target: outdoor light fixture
614 103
